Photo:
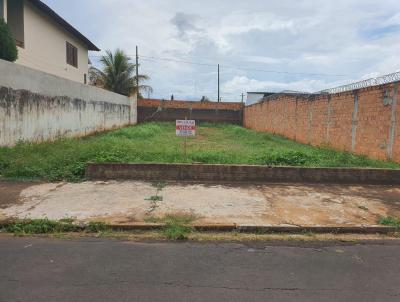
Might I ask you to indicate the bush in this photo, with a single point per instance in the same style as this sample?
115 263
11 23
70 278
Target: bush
8 49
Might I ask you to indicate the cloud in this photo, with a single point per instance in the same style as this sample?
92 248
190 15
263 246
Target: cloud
243 83
185 24
353 38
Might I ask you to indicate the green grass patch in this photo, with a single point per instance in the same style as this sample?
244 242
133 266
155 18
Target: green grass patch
176 226
47 226
96 227
390 221
41 226
155 198
66 159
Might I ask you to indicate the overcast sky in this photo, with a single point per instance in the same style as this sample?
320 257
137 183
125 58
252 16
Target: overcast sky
320 43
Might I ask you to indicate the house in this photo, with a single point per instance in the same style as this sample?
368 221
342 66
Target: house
46 41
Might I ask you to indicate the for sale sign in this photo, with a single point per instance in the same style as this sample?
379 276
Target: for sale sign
185 128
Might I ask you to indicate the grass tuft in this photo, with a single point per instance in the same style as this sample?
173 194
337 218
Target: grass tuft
176 226
390 221
96 227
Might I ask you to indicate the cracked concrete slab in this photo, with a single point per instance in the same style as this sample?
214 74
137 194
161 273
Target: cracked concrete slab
243 204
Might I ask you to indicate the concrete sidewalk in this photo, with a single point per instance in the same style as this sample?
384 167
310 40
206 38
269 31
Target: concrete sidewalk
131 202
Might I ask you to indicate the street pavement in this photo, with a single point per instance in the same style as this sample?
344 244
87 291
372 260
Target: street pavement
43 269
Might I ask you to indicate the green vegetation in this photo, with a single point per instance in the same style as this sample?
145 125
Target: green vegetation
66 159
176 226
118 74
155 198
41 226
8 49
390 221
96 227
46 226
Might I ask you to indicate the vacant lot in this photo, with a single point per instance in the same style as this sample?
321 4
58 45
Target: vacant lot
156 142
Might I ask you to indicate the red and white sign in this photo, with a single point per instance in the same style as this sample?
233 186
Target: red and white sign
185 128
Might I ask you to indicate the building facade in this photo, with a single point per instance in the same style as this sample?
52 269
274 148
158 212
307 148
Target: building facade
46 41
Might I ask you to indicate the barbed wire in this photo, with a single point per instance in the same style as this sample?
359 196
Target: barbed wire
386 79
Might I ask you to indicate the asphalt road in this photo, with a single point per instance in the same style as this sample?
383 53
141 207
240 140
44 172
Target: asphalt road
110 270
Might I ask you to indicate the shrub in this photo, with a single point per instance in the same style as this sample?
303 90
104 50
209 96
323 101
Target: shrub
8 49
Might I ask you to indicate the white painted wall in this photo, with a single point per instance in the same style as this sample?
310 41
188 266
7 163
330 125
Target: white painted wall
36 106
253 98
45 46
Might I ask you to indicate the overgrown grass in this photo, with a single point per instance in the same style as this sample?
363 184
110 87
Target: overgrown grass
176 226
66 159
47 226
41 226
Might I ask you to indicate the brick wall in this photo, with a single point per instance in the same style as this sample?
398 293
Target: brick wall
190 104
160 110
364 121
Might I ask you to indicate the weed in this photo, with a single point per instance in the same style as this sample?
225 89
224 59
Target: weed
96 227
176 226
41 226
390 221
46 226
155 198
174 231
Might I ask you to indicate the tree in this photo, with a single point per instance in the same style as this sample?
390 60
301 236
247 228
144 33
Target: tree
118 74
8 49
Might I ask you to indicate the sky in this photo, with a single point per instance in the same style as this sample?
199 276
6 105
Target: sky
261 45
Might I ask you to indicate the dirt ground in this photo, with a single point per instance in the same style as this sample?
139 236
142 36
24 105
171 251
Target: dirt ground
243 204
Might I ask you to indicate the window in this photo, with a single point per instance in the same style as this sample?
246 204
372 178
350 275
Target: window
15 20
2 9
72 55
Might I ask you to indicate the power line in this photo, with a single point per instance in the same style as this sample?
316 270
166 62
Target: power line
152 58
242 68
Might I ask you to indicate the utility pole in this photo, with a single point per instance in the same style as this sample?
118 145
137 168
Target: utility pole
218 84
242 97
137 70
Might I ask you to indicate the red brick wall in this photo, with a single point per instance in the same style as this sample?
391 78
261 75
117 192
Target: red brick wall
189 104
332 120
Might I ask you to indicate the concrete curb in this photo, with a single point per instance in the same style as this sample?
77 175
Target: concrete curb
266 229
250 228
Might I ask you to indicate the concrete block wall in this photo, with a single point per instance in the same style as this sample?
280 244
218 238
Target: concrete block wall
36 106
363 121
240 173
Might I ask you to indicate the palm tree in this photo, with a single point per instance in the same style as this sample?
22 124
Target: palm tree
118 74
